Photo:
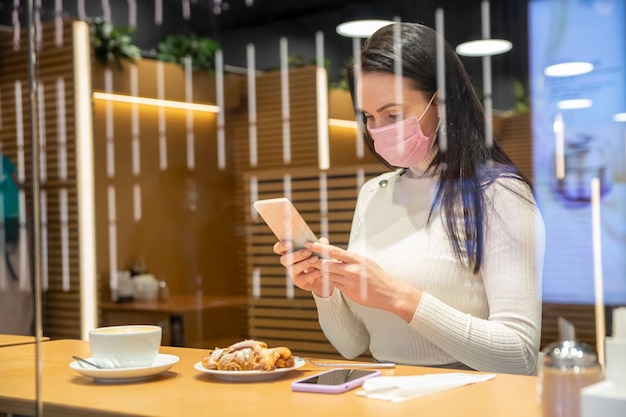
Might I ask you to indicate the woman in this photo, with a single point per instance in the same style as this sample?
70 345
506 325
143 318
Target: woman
444 262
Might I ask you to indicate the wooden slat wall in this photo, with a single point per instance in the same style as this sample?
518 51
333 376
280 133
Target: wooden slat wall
192 250
517 141
303 125
274 316
54 62
582 316
269 137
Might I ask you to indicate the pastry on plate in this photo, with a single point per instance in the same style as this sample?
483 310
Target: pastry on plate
249 355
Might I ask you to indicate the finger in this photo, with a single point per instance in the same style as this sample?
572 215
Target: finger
323 287
321 248
301 281
291 258
306 279
283 247
303 269
333 252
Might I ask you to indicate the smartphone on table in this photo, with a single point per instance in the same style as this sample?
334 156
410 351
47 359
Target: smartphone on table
334 381
285 221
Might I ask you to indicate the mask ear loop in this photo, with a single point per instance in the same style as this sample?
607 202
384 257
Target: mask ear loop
419 119
438 124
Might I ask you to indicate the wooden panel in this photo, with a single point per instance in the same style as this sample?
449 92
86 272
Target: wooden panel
61 305
274 317
517 141
582 316
303 127
193 249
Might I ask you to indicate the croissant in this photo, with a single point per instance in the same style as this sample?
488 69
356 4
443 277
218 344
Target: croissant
249 355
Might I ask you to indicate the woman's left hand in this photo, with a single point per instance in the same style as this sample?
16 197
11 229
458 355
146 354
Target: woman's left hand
365 282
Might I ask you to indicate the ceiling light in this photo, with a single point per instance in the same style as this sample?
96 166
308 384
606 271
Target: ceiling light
484 47
567 69
619 117
579 103
361 28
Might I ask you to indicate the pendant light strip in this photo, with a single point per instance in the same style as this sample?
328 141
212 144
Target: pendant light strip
323 153
285 103
358 124
442 135
191 159
160 69
252 128
221 117
487 77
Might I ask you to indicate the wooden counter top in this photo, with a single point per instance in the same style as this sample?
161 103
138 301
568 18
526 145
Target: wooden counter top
183 391
16 339
178 304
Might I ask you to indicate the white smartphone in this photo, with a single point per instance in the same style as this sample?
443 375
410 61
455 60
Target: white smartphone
285 221
334 381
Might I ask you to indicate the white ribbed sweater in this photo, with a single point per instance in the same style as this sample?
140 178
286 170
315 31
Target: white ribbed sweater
490 321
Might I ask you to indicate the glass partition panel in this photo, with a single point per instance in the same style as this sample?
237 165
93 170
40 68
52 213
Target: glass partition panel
136 136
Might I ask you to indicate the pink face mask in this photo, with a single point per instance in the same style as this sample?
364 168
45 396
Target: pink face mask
403 144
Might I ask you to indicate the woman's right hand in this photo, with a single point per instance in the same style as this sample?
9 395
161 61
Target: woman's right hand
300 267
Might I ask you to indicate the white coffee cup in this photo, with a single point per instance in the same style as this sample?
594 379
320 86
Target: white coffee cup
130 346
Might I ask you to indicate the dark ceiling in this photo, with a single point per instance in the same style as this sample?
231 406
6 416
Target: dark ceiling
299 19
462 16
237 23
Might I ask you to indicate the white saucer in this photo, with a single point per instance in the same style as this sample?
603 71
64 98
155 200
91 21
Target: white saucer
162 363
249 376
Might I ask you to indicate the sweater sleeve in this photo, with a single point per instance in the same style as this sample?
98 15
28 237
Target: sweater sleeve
341 326
343 329
508 340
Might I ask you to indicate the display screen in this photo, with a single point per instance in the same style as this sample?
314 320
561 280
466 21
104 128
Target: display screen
336 377
579 135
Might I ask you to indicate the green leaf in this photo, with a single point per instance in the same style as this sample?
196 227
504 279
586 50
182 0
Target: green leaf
111 44
201 50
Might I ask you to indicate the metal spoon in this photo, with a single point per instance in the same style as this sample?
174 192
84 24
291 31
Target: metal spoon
81 361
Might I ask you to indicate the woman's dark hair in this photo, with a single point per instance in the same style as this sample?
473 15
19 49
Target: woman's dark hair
467 165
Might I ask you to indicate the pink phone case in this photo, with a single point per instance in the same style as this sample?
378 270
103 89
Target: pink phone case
339 383
285 221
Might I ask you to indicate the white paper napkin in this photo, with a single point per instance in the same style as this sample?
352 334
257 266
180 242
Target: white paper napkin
401 388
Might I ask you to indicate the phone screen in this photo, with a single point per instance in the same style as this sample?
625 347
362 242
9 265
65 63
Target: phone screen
337 377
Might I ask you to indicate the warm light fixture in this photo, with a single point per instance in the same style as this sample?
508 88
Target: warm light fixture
156 102
361 28
578 103
568 69
349 124
484 47
619 117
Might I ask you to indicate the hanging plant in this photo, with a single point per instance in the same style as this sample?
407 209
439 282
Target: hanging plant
201 50
111 44
344 75
522 100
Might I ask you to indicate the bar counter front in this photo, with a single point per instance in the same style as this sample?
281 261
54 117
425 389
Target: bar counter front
183 390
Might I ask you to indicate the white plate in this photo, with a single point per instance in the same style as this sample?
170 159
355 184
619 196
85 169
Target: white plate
162 363
248 376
